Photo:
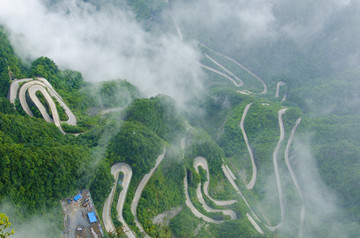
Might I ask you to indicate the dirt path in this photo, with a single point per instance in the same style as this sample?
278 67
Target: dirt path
109 226
302 212
141 187
251 184
276 168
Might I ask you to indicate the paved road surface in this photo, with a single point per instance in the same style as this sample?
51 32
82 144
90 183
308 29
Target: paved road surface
241 66
253 222
221 74
278 85
200 161
207 208
14 87
44 83
109 226
276 167
141 187
32 93
251 184
240 84
192 207
302 212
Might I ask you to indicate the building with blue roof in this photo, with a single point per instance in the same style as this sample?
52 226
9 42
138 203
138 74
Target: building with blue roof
92 217
77 197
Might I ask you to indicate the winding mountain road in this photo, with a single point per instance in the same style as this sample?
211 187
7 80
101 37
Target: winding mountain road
207 208
251 184
302 212
14 87
276 168
221 74
240 84
109 226
241 66
140 188
32 94
201 161
192 207
278 85
42 85
232 182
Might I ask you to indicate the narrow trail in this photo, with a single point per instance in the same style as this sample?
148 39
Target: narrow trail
251 184
241 66
109 226
278 85
276 167
302 212
240 84
140 188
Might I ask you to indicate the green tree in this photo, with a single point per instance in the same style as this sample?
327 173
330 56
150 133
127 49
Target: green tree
4 224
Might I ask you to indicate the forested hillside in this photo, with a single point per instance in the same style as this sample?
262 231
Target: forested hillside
254 132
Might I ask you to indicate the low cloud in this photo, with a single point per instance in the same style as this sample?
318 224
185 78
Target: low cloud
48 224
103 42
324 217
242 23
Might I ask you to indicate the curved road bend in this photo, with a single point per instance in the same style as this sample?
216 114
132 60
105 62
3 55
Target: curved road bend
220 73
207 208
240 84
276 167
252 221
251 184
14 87
71 117
241 66
25 106
141 187
201 161
192 207
32 94
109 226
228 176
278 85
302 213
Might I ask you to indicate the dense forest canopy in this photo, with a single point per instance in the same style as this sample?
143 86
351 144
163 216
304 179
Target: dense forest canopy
166 74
